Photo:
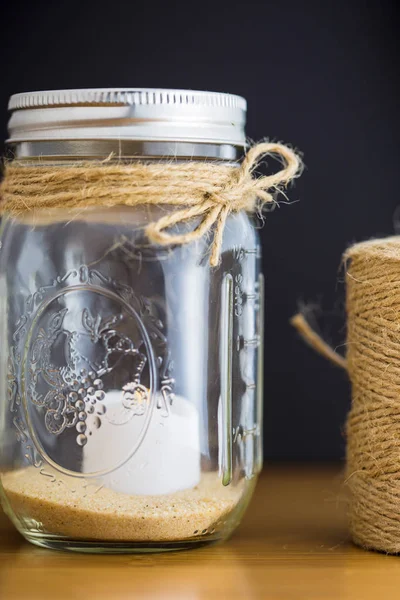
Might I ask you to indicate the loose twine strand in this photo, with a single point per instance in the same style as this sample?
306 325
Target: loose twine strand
203 190
373 365
313 339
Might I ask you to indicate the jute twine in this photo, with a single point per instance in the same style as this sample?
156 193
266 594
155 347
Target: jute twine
373 365
203 190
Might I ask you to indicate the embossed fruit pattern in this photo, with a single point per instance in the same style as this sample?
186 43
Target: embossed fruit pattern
76 389
80 339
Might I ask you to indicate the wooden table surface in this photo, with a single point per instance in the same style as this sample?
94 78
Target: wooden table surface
292 544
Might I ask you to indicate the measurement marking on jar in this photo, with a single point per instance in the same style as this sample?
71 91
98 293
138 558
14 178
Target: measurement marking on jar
246 343
254 251
238 295
260 374
241 433
252 296
226 344
238 253
252 342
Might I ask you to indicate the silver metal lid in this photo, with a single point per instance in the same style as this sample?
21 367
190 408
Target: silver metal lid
128 114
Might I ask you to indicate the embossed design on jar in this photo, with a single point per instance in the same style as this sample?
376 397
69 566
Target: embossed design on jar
83 341
73 392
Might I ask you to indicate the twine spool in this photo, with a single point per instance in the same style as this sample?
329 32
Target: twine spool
373 365
204 190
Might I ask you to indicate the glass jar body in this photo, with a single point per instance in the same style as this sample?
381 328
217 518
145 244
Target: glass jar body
131 392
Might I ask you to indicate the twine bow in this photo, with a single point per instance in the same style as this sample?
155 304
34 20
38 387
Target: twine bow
203 190
241 191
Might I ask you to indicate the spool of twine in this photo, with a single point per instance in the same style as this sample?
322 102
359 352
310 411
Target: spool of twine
203 190
373 365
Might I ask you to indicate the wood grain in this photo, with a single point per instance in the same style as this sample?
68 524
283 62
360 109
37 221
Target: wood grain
293 544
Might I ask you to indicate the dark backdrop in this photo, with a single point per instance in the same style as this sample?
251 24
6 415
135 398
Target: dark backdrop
321 75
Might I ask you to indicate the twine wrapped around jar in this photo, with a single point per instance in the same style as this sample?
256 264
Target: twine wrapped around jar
373 365
205 190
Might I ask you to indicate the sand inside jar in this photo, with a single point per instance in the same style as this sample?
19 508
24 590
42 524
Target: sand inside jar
103 514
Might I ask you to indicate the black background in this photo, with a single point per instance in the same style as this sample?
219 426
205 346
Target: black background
320 75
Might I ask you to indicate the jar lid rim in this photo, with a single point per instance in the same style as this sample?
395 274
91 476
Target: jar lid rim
128 114
125 97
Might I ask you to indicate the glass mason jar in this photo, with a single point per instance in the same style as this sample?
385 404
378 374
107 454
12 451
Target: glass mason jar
131 374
